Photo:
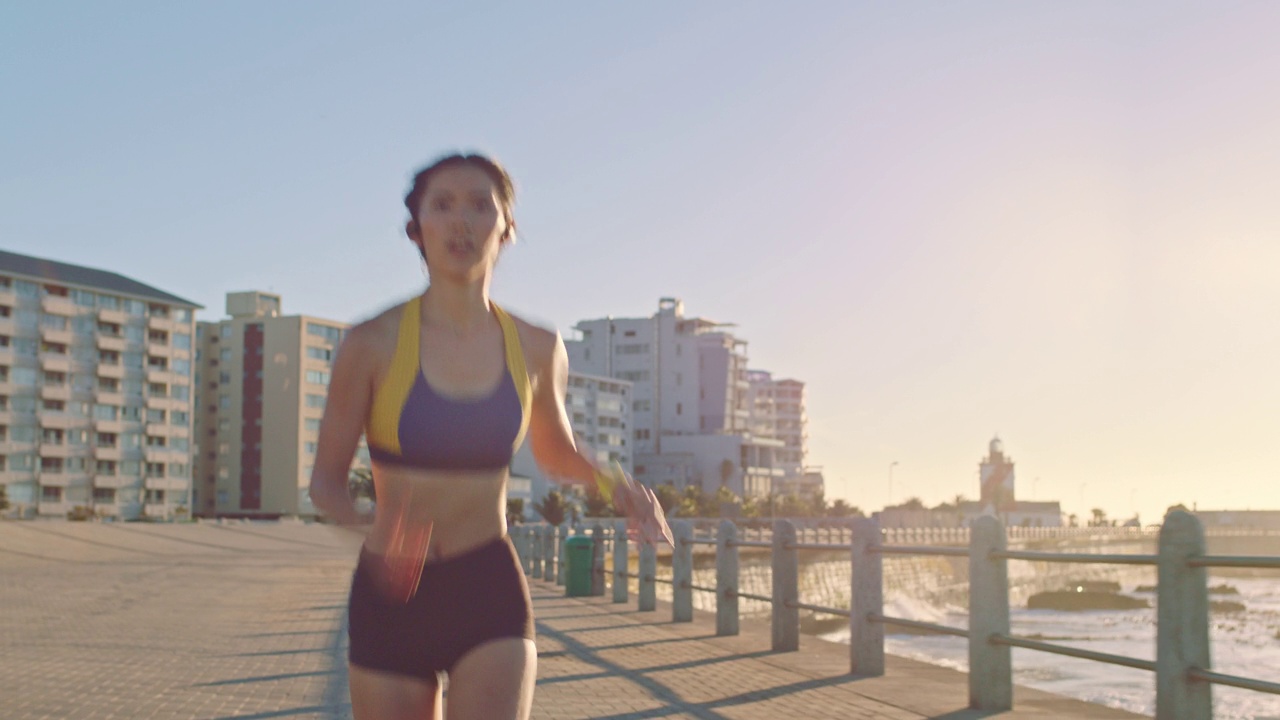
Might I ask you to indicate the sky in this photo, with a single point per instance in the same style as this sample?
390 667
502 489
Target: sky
1055 222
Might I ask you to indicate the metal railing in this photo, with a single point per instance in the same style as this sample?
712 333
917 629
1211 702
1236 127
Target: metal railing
1183 676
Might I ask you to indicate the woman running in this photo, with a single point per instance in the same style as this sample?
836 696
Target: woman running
445 387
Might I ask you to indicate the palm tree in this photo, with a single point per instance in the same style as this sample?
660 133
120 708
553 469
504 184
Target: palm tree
668 496
515 510
552 508
360 484
1099 517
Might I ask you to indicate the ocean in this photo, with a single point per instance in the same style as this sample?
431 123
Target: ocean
1245 644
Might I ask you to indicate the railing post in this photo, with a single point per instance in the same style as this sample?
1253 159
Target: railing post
597 559
682 572
648 571
727 579
549 552
535 548
990 665
620 580
786 574
522 551
866 596
562 534
1182 621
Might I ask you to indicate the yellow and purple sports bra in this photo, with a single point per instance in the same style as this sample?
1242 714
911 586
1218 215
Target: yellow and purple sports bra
412 425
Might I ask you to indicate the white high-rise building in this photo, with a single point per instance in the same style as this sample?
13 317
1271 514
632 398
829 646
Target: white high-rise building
95 392
778 411
690 400
599 411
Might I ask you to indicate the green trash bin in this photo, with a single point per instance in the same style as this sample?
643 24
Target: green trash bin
577 566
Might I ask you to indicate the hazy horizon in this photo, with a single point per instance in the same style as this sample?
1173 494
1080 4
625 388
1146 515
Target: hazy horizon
1054 222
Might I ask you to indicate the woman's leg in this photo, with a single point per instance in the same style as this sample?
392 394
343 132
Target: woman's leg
494 681
377 695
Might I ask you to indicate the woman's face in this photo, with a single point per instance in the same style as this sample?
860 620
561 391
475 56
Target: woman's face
460 223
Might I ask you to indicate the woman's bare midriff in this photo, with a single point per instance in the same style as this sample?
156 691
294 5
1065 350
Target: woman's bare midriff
465 509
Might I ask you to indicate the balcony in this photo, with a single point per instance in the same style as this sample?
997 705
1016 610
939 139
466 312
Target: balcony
62 337
167 483
108 453
53 508
160 323
111 371
159 402
159 429
113 481
108 426
56 305
7 388
159 375
156 510
55 363
6 354
59 420
58 451
111 342
108 397
55 392
115 317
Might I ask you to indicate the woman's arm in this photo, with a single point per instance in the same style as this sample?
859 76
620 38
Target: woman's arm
558 454
345 412
550 435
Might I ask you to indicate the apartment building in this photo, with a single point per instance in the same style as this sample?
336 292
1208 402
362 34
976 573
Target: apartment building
263 381
600 412
691 398
95 392
778 411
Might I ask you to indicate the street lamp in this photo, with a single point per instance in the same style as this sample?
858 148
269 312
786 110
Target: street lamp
891 466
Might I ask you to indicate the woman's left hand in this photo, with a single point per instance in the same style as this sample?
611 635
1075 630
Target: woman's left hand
646 522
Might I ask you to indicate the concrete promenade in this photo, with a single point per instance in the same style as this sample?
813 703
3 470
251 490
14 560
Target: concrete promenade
248 621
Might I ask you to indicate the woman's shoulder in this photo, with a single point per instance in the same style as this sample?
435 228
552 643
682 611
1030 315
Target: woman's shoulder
539 343
376 333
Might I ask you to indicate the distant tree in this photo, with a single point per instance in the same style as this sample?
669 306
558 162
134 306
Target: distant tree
1099 517
792 505
840 508
594 505
1073 520
668 496
1179 506
553 508
912 504
515 510
726 503
755 507
818 503
694 502
360 484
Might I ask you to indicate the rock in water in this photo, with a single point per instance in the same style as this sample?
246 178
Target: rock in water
1084 600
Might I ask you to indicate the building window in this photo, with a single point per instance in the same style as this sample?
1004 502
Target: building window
310 448
51 493
319 353
315 401
154 496
182 341
312 424
332 334
318 377
104 495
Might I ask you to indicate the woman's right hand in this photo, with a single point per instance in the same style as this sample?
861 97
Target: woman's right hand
646 522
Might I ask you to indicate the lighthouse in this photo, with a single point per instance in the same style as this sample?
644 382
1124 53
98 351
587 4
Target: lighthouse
996 477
